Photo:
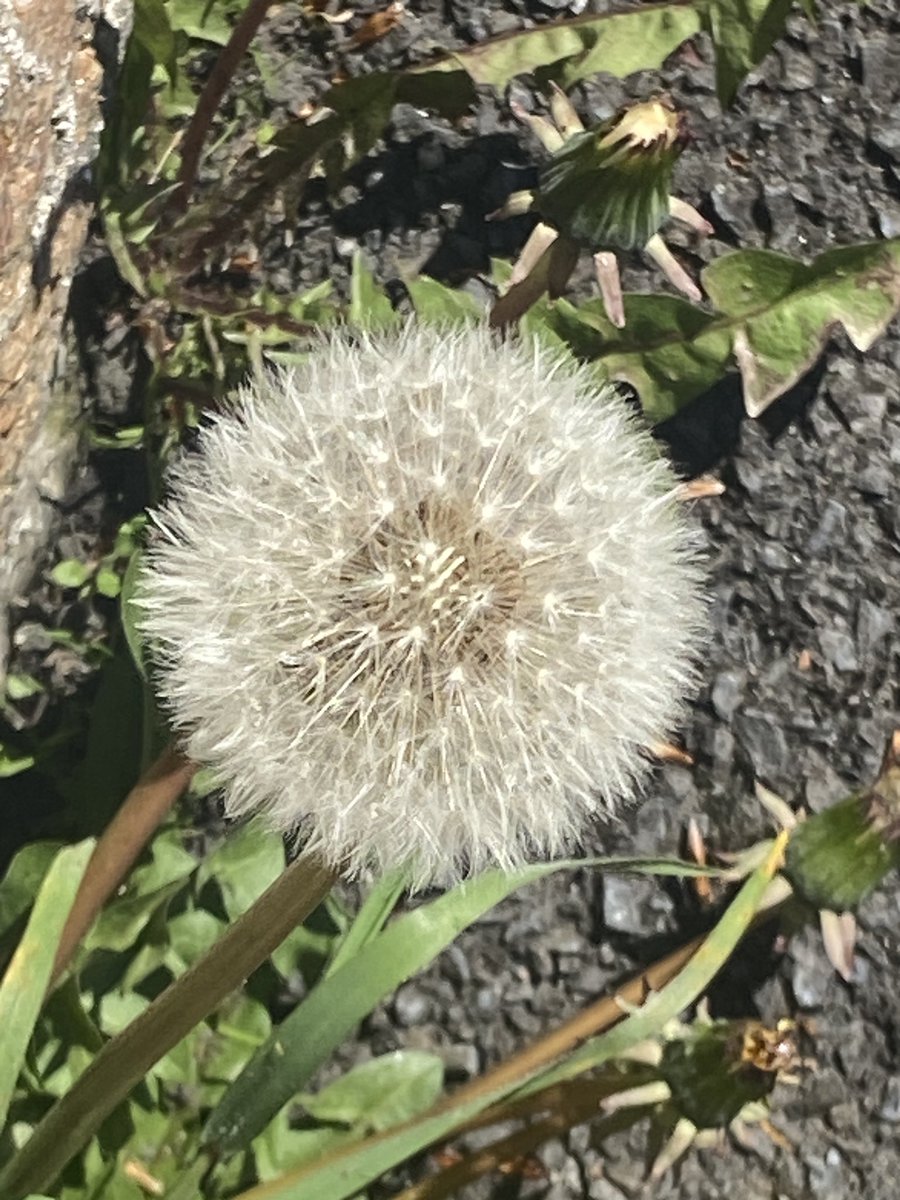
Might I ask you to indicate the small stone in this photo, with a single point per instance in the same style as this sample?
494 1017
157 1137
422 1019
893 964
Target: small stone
889 1109
732 203
411 1006
832 524
764 743
524 1020
775 557
722 751
499 21
623 899
888 217
567 941
460 1061
31 636
604 1189
885 134
838 648
874 622
812 977
486 1000
875 481
345 247
589 981
568 964
798 71
430 154
827 1177
823 786
727 693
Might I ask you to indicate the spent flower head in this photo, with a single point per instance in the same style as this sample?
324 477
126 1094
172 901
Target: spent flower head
424 598
606 189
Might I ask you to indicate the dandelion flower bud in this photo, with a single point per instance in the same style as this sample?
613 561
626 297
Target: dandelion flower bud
423 599
610 186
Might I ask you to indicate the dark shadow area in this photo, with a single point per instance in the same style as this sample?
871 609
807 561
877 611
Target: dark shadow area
708 430
414 180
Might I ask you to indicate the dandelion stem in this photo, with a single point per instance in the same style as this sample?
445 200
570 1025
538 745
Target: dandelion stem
578 1102
144 808
211 96
124 1061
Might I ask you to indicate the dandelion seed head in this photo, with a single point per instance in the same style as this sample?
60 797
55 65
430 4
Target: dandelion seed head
423 599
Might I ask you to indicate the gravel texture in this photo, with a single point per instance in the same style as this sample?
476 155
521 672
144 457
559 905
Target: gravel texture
801 673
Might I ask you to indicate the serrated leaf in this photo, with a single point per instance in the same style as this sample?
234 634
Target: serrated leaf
667 350
615 43
743 32
856 287
775 315
380 1093
70 573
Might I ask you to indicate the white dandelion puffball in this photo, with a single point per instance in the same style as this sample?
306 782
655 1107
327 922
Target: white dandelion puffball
424 598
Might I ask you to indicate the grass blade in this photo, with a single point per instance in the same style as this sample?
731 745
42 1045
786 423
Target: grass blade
25 982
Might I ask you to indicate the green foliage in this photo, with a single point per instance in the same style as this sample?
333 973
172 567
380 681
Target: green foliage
227 1086
818 863
28 974
104 576
774 315
341 1175
379 963
19 887
13 761
743 33
380 1093
617 43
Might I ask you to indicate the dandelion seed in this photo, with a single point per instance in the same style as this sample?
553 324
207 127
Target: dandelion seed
450 676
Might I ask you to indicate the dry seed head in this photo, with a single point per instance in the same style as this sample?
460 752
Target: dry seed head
423 598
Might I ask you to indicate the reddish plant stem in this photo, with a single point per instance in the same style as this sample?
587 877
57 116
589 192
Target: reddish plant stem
142 811
211 97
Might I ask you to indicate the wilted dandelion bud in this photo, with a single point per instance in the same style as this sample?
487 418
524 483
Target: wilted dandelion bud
423 598
606 189
609 187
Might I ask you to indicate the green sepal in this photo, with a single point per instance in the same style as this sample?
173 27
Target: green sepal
607 192
837 857
708 1077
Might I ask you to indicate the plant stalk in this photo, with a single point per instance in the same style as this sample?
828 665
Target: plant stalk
144 809
124 1061
211 97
